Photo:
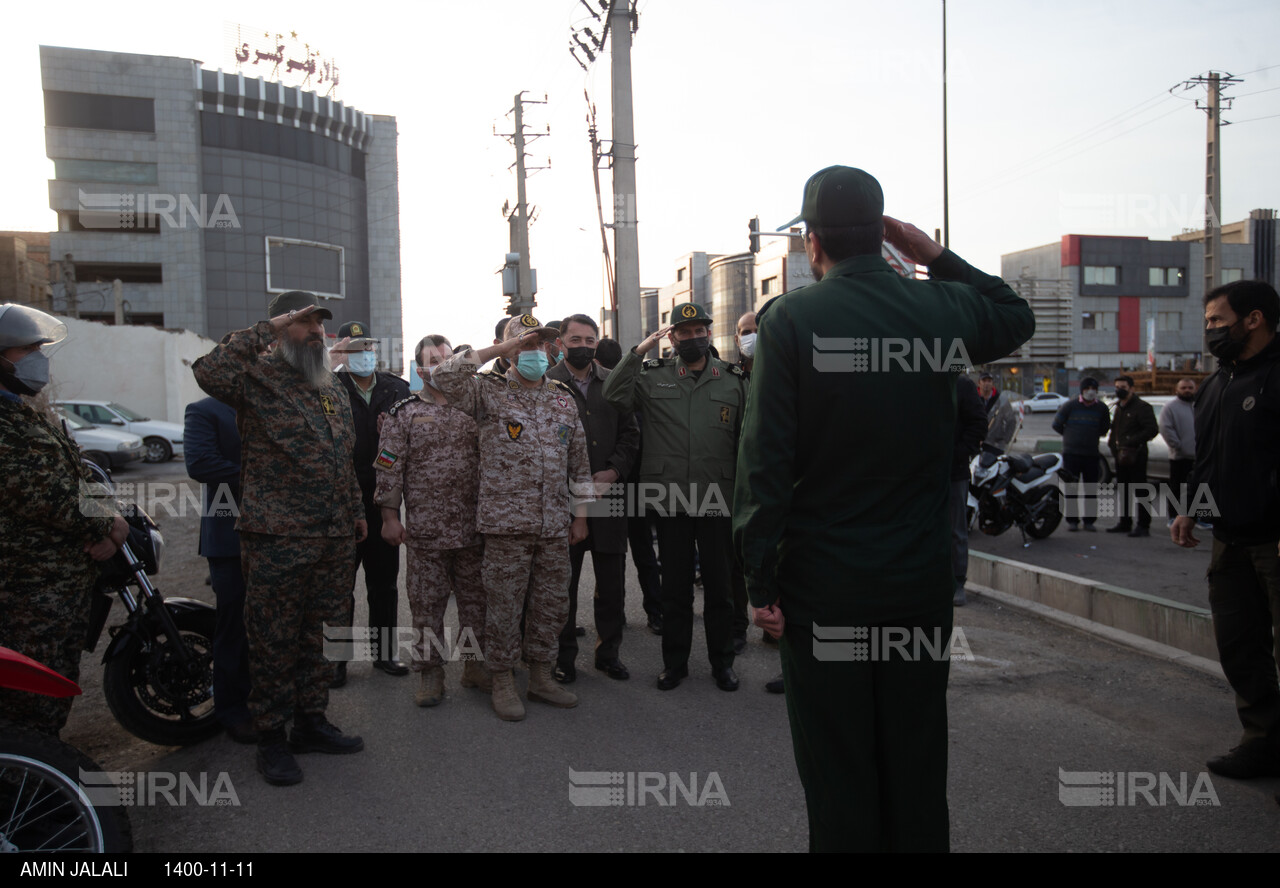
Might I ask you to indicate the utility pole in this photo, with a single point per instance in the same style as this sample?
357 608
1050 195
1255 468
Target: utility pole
523 300
946 204
69 285
626 240
1213 107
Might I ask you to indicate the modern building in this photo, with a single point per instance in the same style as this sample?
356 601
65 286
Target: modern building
207 193
1104 302
24 268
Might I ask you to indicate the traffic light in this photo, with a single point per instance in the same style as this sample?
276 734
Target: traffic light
754 225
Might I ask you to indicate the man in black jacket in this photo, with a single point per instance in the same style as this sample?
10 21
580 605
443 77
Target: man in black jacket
1134 425
971 427
613 439
373 392
1235 476
1081 423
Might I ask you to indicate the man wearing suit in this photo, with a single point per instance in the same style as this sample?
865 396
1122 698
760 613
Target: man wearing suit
212 453
612 441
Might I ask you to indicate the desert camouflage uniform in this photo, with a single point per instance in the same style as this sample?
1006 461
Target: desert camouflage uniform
45 575
428 457
532 453
297 518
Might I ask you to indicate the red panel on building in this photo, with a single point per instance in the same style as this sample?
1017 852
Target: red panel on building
1128 322
1070 250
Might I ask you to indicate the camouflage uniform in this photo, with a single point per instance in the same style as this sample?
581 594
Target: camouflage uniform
47 577
297 518
531 444
428 457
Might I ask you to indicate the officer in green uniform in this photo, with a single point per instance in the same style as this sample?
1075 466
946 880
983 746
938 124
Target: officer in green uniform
692 407
840 509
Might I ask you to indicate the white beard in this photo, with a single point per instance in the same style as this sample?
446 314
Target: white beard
311 361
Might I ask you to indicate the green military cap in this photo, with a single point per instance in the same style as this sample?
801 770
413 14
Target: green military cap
295 300
840 197
687 312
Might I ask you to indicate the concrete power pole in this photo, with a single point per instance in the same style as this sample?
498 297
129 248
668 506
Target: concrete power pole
523 300
626 241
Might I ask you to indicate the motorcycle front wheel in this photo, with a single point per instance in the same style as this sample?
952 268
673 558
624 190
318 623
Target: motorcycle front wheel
43 806
1050 517
157 697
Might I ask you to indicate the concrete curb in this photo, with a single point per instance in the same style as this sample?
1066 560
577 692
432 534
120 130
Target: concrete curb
1170 625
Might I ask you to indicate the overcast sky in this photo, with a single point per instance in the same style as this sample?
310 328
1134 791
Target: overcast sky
1061 121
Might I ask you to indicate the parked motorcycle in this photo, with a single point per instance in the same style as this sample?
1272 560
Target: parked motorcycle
43 806
1016 489
158 666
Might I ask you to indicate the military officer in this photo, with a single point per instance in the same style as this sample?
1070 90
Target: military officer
692 407
50 532
533 457
429 458
300 519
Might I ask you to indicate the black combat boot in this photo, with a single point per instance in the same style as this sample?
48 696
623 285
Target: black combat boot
276 765
313 733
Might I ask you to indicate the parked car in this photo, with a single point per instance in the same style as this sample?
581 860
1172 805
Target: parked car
162 439
106 447
1044 402
1157 449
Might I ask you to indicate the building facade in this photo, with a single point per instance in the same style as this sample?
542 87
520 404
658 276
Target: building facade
208 193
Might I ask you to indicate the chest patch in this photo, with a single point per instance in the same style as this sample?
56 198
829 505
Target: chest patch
327 403
1248 403
724 415
563 433
562 402
514 429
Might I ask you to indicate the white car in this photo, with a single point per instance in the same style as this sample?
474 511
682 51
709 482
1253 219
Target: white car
106 447
1044 402
163 439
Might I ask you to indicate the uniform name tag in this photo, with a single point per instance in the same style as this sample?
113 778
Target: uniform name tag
386 459
327 403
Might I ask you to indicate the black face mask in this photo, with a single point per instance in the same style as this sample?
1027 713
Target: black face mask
692 350
1223 345
580 357
1122 394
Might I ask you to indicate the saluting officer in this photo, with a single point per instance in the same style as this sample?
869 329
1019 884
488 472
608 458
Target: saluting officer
692 407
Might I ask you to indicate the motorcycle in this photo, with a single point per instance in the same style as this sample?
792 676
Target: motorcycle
1016 489
158 665
43 806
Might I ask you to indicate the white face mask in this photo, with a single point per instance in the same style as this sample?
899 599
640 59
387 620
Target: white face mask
747 345
1089 394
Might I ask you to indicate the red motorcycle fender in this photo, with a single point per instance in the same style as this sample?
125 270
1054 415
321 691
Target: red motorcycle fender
21 673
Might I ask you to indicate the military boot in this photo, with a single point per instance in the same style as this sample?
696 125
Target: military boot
474 675
545 689
430 686
313 733
276 765
506 702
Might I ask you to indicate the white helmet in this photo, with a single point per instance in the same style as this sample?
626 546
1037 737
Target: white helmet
23 325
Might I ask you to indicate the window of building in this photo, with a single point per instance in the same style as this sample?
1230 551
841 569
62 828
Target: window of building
269 137
95 111
120 171
305 265
126 272
1098 320
1232 274
679 274
93 220
769 285
1101 274
1168 320
666 317
1165 277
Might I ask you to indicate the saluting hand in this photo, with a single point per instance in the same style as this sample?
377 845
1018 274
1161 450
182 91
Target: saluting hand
279 322
911 241
653 339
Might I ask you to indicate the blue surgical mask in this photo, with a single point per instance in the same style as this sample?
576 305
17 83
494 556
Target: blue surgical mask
362 363
532 364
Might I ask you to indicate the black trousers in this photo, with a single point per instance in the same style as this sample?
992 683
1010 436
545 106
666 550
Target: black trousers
230 644
1127 475
677 537
1244 596
1087 469
610 570
640 538
381 563
870 739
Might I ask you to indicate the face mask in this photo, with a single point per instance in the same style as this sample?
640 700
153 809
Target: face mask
532 364
692 350
30 374
1090 394
1223 345
747 345
1122 393
362 363
580 357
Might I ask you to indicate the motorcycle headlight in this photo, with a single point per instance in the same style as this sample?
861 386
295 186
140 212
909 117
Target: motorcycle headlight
157 544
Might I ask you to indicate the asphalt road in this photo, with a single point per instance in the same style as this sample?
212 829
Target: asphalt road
1036 700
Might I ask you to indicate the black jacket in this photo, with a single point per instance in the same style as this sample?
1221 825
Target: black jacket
971 426
1081 425
1238 448
1133 426
386 392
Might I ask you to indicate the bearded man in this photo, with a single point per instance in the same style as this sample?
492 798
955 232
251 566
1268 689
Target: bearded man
300 519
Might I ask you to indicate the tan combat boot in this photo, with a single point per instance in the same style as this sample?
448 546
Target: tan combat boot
545 689
430 687
474 675
506 703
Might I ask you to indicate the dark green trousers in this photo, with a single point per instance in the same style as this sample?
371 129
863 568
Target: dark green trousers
870 735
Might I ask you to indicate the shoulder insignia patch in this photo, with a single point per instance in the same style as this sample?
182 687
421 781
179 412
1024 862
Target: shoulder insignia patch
386 459
683 371
558 384
652 363
715 372
736 370
513 385
398 404
562 401
327 403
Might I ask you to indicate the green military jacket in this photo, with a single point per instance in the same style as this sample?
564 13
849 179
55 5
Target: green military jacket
690 427
841 506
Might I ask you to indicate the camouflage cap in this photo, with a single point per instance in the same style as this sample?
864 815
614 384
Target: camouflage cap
688 312
519 324
295 300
